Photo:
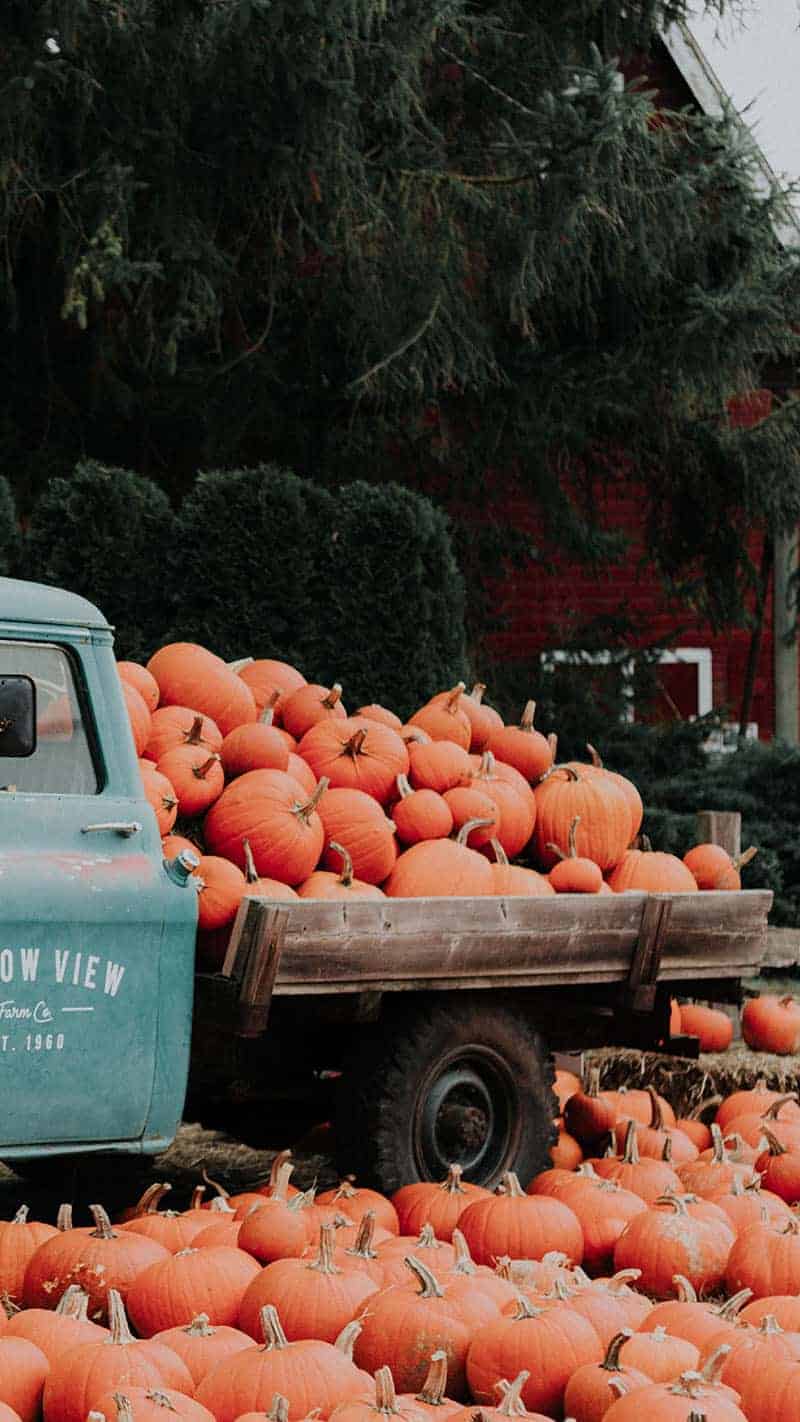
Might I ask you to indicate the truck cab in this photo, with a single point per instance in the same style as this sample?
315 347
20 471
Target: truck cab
96 936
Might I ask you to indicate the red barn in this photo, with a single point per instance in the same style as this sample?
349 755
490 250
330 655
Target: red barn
702 671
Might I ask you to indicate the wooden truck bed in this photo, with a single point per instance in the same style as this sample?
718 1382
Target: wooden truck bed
314 948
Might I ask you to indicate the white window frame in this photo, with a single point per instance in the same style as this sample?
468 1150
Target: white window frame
700 657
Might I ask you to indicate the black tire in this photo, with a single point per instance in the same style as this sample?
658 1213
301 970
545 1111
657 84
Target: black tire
467 1080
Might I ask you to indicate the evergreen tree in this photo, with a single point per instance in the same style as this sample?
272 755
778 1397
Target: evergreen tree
410 239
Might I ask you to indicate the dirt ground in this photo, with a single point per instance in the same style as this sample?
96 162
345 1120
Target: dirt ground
237 1159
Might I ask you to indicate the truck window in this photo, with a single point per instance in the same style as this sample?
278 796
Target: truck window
63 763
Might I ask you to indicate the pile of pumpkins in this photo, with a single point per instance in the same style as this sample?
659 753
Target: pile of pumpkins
769 1024
657 1279
285 794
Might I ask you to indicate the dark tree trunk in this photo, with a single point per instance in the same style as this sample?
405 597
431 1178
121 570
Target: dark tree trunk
757 633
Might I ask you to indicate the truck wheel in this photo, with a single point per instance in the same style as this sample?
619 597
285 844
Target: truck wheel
466 1082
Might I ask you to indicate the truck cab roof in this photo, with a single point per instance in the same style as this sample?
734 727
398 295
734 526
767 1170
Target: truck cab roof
21 601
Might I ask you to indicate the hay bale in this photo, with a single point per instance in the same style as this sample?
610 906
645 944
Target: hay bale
686 1084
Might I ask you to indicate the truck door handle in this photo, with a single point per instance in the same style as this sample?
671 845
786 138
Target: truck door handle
125 828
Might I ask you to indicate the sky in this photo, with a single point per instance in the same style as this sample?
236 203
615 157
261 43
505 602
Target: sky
757 61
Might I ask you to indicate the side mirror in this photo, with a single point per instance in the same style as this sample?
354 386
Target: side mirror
17 716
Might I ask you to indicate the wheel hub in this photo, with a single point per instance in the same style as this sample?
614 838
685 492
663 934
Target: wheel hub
464 1117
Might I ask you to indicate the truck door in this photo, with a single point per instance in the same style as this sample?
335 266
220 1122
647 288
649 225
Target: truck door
84 902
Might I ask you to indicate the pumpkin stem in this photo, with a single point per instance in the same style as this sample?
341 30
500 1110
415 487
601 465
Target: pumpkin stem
525 1309
732 1308
769 1325
64 1218
552 741
746 858
194 735
272 1329
656 1118
684 1288
620 1384
332 697
201 771
403 787
102 1223
200 1327
278 1408
510 1185
630 1155
463 1262
500 856
771 1114
675 1201
454 697
324 1262
9 1306
622 1279
304 812
710 1372
346 1341
118 1325
435 1385
240 664
346 876
250 871
718 1153
611 1362
426 1238
452 1184
431 1289
362 1245
215 1185
123 1406
355 746
385 1395
148 1203
526 719
467 828
697 1113
344 1190
281 1181
594 756
666 1154
772 1142
22 1215
74 1303
512 1404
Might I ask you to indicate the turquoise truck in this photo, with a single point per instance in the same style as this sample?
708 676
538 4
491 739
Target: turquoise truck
425 1028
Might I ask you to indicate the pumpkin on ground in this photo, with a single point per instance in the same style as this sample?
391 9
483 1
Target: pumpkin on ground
665 1243
550 1345
772 1024
713 1027
310 1374
522 1226
314 1298
99 1260
440 1205
173 1291
201 1345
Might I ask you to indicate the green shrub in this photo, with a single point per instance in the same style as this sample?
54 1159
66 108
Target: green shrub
107 534
358 586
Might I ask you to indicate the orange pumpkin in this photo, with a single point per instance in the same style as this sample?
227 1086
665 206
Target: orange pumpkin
142 680
174 726
357 822
201 1346
257 746
603 833
266 677
589 1395
309 704
189 675
443 719
19 1240
176 1231
440 1204
323 884
666 1243
514 881
141 1404
440 868
573 874
521 746
279 1227
160 795
23 1371
522 1226
714 868
196 777
268 808
383 1407
381 714
138 716
713 1027
84 1374
309 1373
646 1177
220 890
772 1024
551 1344
315 1298
174 1290
99 1260
652 872
517 812
766 1259
437 765
469 803
483 719
356 755
420 814
628 789
56 1331
258 886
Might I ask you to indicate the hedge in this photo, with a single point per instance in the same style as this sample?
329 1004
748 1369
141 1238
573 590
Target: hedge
108 534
